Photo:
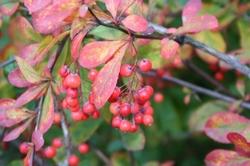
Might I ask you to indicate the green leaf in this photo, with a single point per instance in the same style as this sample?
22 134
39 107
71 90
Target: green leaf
120 159
28 72
152 163
82 131
16 163
200 116
107 33
134 141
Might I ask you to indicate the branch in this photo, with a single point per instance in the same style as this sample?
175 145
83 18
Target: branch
199 89
7 62
102 156
182 39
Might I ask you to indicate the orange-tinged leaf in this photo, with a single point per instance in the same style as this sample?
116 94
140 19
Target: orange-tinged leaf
135 23
96 53
169 48
37 139
47 115
221 157
16 78
240 143
107 77
31 94
28 72
36 5
222 123
15 133
76 45
113 6
6 104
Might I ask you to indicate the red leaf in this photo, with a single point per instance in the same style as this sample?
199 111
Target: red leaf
8 8
6 104
13 134
30 94
191 9
135 23
47 116
169 48
113 6
240 143
36 5
76 45
51 18
28 160
106 79
222 123
96 53
29 52
37 139
16 78
226 158
199 23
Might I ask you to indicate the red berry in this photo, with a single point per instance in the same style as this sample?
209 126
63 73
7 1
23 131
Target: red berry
125 126
148 120
24 148
125 109
85 116
219 76
75 108
114 108
135 108
76 116
116 122
143 95
64 71
133 128
145 65
83 148
95 114
88 108
72 102
92 74
72 92
158 97
126 70
72 81
149 110
49 152
57 118
115 95
149 89
138 118
64 104
91 97
73 160
57 142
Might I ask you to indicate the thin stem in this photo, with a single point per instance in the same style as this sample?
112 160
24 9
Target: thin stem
7 62
102 157
199 89
39 112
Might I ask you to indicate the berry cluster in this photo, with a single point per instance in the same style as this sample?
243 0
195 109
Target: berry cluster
134 108
71 83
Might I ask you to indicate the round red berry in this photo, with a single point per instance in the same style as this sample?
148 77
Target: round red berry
57 118
158 97
85 116
114 108
149 110
88 108
57 142
73 160
115 95
72 102
126 70
95 114
138 118
145 65
72 81
219 76
148 120
92 74
76 116
64 71
116 122
125 109
24 148
83 148
50 152
72 92
133 128
125 126
135 108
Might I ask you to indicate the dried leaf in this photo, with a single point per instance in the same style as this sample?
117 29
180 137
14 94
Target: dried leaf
28 72
222 123
96 53
36 5
37 139
13 134
135 23
169 48
113 6
47 116
226 158
31 94
107 77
